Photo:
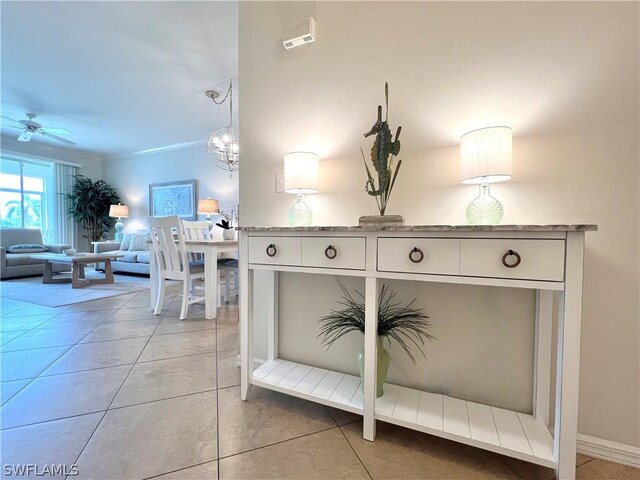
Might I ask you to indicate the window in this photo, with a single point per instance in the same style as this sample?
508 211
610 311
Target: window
27 196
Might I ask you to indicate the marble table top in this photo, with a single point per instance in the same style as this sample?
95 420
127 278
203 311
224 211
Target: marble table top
429 228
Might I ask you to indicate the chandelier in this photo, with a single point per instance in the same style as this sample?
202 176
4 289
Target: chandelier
224 143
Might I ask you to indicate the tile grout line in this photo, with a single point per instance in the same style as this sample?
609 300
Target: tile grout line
272 444
112 366
112 400
69 347
52 420
119 389
184 468
209 390
513 470
56 346
217 408
110 409
354 452
89 332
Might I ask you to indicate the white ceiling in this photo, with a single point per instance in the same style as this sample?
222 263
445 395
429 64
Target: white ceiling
122 77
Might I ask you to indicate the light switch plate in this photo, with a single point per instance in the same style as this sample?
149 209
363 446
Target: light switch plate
280 182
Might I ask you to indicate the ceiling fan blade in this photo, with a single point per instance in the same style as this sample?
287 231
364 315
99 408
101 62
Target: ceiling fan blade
55 137
11 119
63 131
25 136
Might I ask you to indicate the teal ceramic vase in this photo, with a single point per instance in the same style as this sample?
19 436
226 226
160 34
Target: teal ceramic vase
383 366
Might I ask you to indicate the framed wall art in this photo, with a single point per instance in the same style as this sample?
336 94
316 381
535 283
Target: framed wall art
174 198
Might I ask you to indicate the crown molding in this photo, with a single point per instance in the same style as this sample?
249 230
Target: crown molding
153 151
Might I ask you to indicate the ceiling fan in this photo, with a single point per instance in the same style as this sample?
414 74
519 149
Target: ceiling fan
30 127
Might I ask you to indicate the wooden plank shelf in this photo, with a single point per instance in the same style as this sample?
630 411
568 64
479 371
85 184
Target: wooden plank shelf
495 429
330 388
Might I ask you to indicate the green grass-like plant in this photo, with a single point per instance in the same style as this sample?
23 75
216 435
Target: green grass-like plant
405 324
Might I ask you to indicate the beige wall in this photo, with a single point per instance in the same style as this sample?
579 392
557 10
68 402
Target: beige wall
564 76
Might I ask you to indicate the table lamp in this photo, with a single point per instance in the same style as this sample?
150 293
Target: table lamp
300 177
485 158
119 211
208 206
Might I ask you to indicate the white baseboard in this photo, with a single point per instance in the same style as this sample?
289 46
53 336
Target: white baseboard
608 450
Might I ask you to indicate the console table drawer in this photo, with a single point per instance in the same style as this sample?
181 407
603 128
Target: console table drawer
509 258
334 252
275 250
419 255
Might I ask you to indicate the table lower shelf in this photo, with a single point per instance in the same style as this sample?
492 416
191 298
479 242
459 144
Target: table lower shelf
498 430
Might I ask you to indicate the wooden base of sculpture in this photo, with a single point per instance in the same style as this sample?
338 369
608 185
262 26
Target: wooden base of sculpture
381 221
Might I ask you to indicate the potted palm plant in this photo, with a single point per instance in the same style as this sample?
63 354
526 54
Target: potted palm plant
89 203
405 324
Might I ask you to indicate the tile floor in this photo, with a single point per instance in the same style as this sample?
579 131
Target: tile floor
123 394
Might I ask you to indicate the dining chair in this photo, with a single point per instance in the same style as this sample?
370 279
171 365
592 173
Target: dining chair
199 230
167 236
196 230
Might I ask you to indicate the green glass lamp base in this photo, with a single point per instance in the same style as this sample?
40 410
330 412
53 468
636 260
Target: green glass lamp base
484 209
300 215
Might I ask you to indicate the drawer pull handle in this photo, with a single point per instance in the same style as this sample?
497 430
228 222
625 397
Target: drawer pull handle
272 250
330 252
511 253
416 255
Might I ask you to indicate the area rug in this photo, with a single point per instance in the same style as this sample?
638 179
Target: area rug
57 295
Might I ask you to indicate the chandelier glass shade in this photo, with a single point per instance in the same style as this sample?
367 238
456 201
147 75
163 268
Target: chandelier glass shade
223 144
223 147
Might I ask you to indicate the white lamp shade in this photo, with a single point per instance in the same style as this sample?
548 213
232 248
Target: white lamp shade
119 211
301 172
485 155
208 206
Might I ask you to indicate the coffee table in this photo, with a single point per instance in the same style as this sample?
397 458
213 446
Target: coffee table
77 262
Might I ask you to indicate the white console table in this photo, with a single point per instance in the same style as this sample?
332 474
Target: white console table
547 258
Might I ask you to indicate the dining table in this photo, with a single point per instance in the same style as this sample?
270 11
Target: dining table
209 249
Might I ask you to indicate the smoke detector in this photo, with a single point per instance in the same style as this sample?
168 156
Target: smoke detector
302 34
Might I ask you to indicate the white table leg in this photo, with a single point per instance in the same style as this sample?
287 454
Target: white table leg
211 282
370 357
568 364
246 317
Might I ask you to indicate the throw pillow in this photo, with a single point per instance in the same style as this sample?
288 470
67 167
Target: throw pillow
126 242
139 242
27 248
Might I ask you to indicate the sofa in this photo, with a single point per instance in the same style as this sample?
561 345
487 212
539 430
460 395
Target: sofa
13 265
134 248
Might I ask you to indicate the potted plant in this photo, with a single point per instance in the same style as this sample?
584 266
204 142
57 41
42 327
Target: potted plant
403 323
228 233
89 203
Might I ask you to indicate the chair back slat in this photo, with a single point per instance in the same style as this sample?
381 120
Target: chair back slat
171 251
196 230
